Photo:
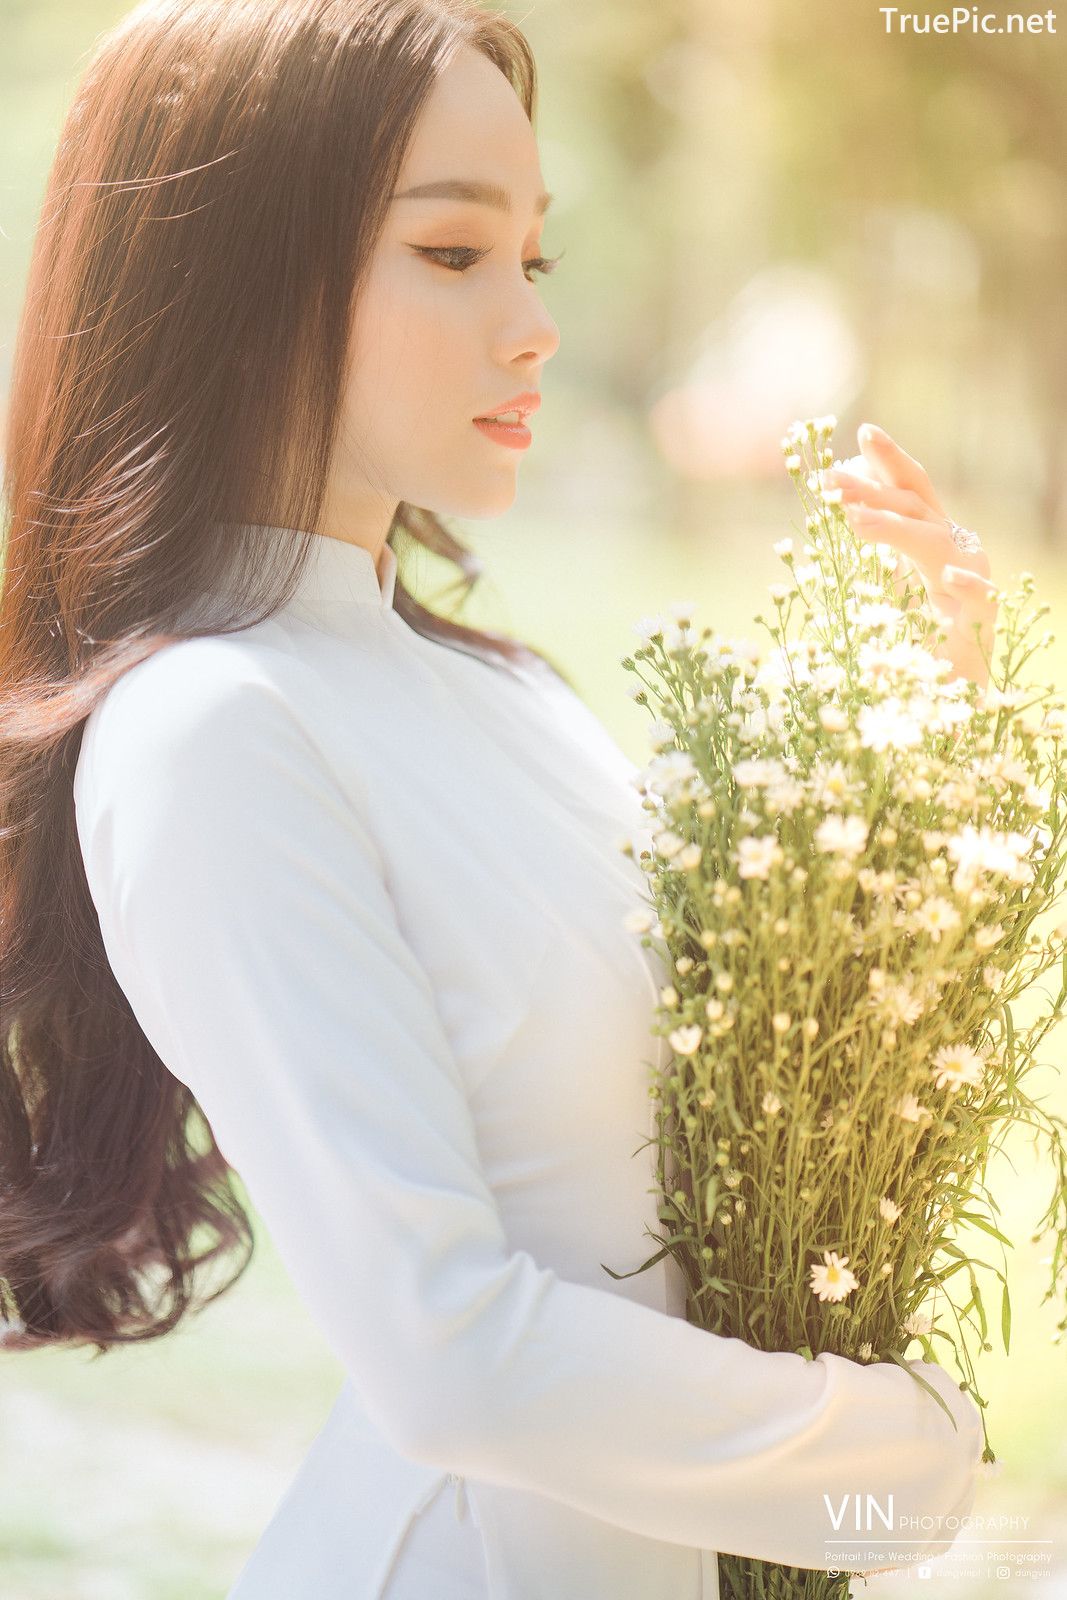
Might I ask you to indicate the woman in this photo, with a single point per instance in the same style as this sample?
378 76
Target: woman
339 902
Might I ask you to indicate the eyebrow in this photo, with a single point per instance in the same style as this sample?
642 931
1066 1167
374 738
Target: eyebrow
489 194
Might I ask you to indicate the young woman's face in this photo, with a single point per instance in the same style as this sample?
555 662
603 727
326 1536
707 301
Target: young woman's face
434 347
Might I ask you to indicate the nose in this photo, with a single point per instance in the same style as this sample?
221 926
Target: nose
539 339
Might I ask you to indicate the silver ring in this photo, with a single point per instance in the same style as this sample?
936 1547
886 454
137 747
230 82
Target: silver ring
963 538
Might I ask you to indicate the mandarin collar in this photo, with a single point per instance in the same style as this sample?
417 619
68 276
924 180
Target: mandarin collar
340 574
338 578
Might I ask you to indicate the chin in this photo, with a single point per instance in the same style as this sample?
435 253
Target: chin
489 500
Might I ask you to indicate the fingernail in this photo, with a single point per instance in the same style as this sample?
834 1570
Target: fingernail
868 433
954 577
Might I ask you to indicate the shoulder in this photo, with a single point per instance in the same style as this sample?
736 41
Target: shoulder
197 706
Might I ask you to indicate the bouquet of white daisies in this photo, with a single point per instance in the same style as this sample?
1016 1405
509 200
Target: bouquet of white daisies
848 849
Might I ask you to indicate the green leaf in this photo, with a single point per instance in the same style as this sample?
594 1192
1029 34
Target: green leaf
651 1262
927 1386
987 1227
980 1308
1005 1317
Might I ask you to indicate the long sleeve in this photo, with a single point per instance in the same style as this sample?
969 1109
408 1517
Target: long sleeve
246 913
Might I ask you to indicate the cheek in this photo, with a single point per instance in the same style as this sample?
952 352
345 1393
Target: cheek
413 345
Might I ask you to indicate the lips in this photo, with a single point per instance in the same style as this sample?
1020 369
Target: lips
523 404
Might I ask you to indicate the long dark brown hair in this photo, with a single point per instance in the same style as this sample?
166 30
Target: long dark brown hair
220 180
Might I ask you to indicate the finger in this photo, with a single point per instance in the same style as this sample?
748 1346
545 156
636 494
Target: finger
979 599
867 466
904 572
969 645
894 465
854 486
928 544
933 544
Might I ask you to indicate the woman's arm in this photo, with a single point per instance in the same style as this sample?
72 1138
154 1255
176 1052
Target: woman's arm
246 916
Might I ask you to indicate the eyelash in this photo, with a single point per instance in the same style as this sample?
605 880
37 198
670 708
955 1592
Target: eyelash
543 264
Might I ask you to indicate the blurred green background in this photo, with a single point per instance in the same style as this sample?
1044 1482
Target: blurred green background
769 211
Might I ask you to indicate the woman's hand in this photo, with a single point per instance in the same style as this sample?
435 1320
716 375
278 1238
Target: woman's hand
888 499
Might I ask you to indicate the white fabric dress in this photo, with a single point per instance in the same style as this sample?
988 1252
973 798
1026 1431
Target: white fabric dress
363 893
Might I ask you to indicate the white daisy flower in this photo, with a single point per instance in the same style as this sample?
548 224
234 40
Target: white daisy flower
936 916
752 773
668 843
985 850
877 614
660 733
786 797
832 1279
899 1005
754 727
888 726
888 1209
756 855
826 676
677 639
640 921
910 1109
843 836
830 784
918 1323
646 628
685 1041
955 1065
673 767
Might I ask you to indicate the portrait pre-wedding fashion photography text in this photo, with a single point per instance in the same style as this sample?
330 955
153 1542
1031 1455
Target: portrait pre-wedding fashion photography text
533 816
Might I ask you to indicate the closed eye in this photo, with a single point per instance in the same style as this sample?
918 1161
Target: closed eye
458 258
